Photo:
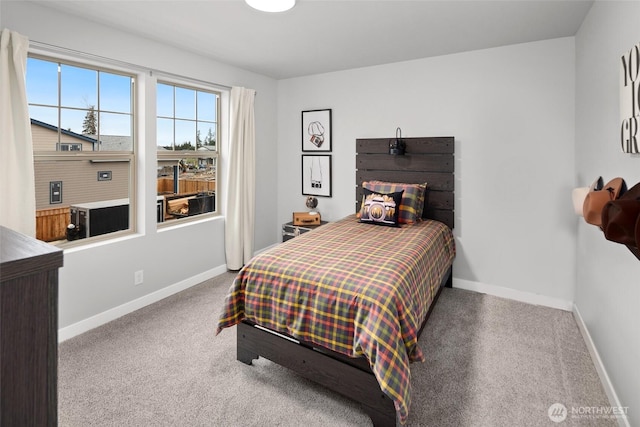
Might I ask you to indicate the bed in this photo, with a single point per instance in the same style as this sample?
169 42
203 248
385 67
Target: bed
344 304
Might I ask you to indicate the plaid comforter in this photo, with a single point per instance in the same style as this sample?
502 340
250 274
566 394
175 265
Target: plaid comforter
357 289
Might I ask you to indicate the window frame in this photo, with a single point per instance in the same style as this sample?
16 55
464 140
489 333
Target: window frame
69 146
166 156
144 99
97 156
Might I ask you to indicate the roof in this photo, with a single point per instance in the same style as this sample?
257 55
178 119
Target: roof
107 142
80 136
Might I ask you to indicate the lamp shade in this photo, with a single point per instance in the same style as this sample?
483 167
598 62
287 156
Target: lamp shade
271 5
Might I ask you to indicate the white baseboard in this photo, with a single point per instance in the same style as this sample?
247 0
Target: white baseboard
131 306
597 361
513 294
545 301
526 297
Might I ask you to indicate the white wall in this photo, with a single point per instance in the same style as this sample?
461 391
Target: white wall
98 280
511 111
608 275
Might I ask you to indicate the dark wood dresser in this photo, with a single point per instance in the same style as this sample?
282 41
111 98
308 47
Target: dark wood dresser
28 330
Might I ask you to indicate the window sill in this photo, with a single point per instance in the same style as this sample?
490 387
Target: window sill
107 239
186 222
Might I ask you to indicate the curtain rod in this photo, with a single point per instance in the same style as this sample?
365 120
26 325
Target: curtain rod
63 50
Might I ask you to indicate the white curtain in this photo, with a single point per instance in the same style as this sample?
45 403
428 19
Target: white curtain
241 191
17 179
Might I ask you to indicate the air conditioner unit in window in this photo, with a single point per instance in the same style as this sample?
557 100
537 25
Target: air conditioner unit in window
97 218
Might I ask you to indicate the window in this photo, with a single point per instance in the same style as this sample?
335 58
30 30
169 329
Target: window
70 147
82 123
187 135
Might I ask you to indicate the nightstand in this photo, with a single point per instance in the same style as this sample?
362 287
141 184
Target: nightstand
289 231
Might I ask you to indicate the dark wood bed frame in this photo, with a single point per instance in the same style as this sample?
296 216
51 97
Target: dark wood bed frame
429 160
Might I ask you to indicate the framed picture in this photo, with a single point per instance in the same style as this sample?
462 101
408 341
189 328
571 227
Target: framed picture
629 100
316 130
316 175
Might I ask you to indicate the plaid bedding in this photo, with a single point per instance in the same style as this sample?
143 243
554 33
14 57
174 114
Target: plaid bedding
357 289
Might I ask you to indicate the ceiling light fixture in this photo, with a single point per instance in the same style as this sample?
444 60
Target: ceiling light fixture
271 5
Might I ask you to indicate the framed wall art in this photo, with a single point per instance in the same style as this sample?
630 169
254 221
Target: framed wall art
630 100
316 130
316 175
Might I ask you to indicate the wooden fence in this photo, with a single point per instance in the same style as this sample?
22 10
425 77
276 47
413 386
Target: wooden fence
165 185
51 224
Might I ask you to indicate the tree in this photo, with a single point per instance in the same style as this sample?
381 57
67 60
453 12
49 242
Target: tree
90 123
187 145
210 140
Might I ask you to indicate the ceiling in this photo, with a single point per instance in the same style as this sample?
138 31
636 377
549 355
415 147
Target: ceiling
318 36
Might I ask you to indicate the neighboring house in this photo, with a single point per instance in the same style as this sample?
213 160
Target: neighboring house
45 138
79 178
115 143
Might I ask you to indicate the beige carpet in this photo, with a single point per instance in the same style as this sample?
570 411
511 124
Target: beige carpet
491 362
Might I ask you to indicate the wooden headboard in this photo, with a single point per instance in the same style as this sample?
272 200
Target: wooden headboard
429 160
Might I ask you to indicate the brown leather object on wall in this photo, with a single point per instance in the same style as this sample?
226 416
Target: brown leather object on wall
595 200
306 218
579 194
620 218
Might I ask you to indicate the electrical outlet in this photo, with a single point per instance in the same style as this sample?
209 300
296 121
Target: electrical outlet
138 277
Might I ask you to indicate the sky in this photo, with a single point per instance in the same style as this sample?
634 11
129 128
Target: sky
181 111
